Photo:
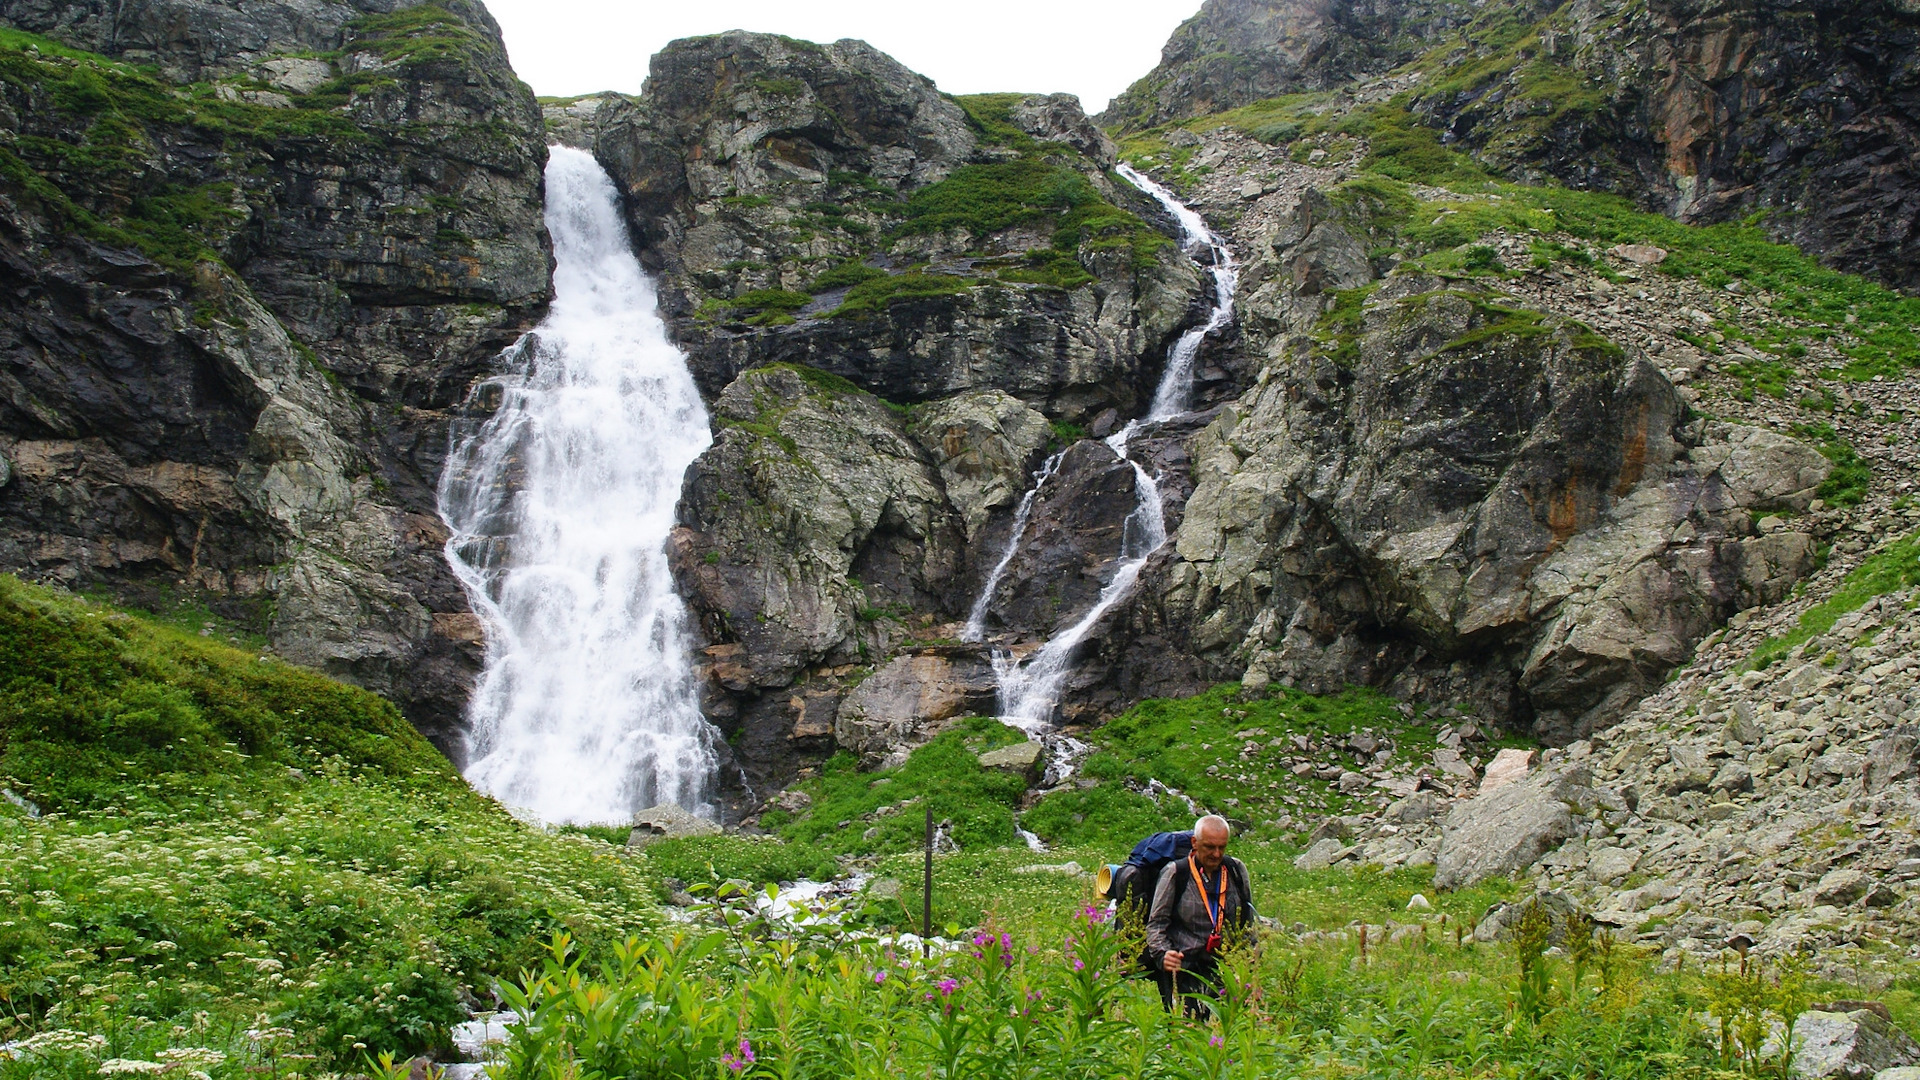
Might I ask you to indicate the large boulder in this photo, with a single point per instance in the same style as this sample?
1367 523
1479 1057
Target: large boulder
1027 760
907 702
1854 1045
986 445
1894 758
1510 828
667 822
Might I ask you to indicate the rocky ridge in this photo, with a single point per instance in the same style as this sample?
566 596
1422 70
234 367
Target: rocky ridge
1706 111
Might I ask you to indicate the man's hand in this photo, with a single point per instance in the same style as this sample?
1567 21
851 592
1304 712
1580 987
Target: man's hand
1171 961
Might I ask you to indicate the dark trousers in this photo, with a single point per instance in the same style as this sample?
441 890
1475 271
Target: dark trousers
1193 982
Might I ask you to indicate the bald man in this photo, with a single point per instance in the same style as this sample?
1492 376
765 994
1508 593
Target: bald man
1202 903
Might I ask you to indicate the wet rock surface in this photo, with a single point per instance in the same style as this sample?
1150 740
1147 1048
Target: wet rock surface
1444 477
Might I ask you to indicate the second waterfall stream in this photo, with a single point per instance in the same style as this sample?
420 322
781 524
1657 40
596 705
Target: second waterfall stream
1030 692
560 505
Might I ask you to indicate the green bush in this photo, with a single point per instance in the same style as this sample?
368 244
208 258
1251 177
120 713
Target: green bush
1892 569
847 274
759 860
1847 484
1051 996
228 836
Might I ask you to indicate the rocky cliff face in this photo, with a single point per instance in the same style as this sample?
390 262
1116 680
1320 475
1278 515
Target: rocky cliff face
1716 111
259 251
1236 52
1709 111
822 205
1440 485
899 302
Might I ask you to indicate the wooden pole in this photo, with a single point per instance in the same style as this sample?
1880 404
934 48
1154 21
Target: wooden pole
926 892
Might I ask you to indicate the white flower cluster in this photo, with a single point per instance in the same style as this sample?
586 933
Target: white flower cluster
133 1066
62 1041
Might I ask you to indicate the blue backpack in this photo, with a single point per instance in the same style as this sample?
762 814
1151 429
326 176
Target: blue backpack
1134 881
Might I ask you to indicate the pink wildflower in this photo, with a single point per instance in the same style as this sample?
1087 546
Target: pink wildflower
738 1062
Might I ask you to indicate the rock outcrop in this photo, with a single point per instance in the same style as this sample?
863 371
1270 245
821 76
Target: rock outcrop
822 205
1716 111
1235 52
1856 1045
1799 112
245 311
1434 474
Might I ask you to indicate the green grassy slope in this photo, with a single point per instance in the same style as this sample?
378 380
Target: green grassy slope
230 843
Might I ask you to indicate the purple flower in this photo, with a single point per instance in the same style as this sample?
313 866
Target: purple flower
879 977
1217 1042
947 987
738 1062
1078 964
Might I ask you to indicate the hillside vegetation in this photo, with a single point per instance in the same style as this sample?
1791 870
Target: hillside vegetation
239 855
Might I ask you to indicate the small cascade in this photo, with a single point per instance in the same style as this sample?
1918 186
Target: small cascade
977 618
1030 692
560 505
1175 393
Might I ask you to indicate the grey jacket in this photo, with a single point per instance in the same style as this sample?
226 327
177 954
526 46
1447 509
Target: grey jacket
1185 926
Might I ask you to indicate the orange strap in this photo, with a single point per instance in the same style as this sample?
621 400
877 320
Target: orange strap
1216 914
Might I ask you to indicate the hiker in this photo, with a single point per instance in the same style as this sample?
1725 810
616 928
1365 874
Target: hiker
1202 904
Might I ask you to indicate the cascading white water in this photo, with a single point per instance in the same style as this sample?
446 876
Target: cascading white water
560 505
1175 392
1029 693
977 618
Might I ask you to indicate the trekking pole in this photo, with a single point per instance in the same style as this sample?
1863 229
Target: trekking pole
926 893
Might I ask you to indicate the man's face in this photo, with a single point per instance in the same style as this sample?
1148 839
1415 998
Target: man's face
1210 847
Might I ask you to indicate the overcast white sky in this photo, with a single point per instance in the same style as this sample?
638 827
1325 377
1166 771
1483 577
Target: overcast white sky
1093 48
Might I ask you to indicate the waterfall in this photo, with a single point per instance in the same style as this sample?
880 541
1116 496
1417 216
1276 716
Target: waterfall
1029 693
1175 393
560 505
977 618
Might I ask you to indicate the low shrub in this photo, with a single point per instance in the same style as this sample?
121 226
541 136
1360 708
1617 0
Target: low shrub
978 803
1051 997
874 296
